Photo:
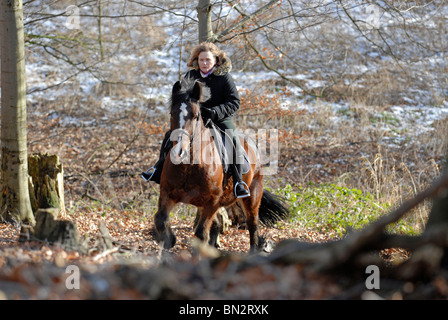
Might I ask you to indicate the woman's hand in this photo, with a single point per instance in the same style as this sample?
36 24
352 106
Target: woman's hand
208 113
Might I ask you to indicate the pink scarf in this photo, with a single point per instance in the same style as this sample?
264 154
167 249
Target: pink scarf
205 75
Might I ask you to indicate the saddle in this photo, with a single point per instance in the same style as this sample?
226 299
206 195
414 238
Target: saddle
224 144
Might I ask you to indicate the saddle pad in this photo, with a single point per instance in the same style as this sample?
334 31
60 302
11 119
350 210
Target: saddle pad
224 144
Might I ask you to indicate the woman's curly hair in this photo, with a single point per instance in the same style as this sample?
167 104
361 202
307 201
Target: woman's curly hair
219 55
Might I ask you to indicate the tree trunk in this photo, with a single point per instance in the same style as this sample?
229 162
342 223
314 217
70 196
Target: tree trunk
15 201
204 9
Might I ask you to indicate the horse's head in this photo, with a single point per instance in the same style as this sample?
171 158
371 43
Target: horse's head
185 115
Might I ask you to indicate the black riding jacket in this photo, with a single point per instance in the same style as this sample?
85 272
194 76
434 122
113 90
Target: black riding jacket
224 99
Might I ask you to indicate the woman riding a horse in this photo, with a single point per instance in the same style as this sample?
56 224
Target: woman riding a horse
206 93
212 67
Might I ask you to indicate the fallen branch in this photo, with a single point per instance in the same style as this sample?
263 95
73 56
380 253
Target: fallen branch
105 253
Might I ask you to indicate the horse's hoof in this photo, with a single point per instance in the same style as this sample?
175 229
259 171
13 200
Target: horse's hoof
170 242
167 241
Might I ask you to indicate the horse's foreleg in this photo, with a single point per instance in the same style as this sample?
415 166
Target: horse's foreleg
214 232
164 234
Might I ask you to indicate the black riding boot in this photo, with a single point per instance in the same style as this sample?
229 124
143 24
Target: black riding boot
154 173
240 188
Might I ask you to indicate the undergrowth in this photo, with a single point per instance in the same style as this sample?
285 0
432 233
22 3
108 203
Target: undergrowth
335 210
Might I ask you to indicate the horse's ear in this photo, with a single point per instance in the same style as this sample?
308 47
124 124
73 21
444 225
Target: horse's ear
177 86
197 91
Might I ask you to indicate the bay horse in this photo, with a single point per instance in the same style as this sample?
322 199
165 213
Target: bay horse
188 176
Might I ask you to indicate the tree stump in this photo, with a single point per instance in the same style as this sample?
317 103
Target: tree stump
46 182
49 229
46 187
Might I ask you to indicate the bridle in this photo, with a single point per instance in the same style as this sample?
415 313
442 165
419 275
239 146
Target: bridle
182 132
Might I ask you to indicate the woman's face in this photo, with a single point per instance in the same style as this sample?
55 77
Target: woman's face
206 61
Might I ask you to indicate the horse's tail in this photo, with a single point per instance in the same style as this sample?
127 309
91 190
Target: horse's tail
272 209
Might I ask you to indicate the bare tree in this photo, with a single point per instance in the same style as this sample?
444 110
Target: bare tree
15 199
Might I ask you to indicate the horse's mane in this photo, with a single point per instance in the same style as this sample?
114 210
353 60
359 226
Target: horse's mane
186 90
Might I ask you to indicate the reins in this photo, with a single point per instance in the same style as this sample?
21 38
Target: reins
229 138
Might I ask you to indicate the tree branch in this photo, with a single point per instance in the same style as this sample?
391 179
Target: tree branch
267 66
216 37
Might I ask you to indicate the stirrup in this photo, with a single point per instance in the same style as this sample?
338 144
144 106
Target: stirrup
245 187
147 175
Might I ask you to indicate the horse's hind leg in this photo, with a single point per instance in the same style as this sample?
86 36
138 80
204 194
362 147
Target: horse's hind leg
251 205
207 228
164 234
252 223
